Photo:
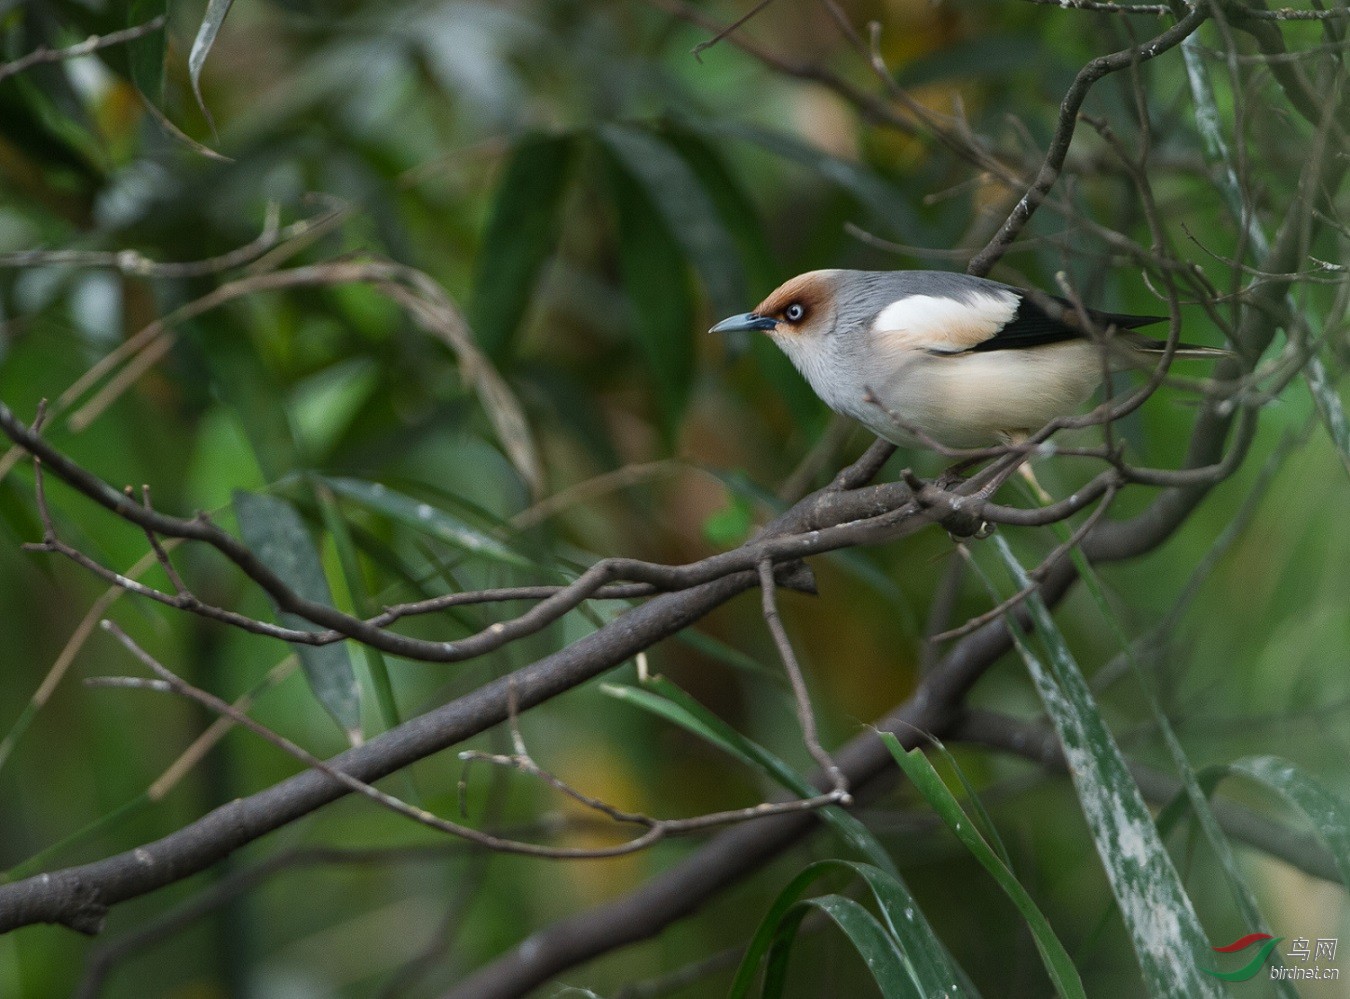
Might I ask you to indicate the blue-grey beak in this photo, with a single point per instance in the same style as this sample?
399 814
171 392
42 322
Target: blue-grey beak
744 323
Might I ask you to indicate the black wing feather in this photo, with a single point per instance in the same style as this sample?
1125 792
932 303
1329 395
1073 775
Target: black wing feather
1032 326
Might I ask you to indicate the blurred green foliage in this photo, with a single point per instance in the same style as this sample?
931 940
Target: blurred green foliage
593 197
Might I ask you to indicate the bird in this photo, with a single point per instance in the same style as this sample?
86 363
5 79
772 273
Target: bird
944 358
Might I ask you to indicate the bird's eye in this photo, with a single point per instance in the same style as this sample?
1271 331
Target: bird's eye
794 312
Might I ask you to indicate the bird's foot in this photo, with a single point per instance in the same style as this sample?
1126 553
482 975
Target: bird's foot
982 531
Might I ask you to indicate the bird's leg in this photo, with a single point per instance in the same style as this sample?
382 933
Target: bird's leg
1015 438
1040 494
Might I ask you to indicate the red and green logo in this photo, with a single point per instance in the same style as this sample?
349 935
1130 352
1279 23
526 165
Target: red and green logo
1250 969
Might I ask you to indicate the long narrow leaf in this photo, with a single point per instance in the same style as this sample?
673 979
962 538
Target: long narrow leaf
1329 406
1158 915
687 209
926 962
1325 399
522 231
666 700
430 520
931 961
1058 964
271 527
145 55
732 201
1329 815
376 667
201 47
866 935
885 205
1192 789
656 279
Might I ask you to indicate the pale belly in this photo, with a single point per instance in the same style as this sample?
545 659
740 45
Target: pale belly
980 399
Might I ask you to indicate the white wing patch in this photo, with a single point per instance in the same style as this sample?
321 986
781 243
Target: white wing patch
943 325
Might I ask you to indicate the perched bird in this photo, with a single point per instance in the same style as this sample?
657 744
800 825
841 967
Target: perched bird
964 361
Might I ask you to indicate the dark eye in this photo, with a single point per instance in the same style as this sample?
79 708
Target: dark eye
794 312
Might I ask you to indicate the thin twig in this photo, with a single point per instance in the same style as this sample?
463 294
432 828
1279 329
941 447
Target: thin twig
1101 6
89 46
806 715
698 50
171 682
984 261
654 829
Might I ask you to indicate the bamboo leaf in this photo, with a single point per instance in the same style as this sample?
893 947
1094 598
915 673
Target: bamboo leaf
1192 789
276 534
1207 119
657 282
927 965
521 234
430 520
1329 407
919 769
145 55
866 935
664 699
1162 925
885 205
201 48
1329 815
734 205
376 667
677 194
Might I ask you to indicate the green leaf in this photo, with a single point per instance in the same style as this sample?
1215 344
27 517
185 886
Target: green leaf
733 203
1329 407
201 47
1192 789
1056 959
866 935
676 192
362 604
241 378
324 406
1208 119
522 231
276 534
657 282
1162 924
1329 815
983 820
145 55
926 963
430 520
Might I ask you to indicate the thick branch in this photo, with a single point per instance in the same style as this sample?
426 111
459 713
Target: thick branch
79 897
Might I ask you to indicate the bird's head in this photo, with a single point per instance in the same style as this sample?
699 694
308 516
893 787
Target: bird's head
797 311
